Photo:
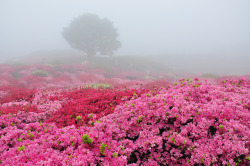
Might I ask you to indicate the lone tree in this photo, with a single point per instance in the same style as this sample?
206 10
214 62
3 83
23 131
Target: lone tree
91 34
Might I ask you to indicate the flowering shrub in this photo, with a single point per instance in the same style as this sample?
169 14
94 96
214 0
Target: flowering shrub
41 73
14 109
36 76
187 124
97 86
156 84
88 105
44 144
16 94
192 122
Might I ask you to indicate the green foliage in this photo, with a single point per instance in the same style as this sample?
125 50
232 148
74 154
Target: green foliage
102 148
91 115
78 117
30 135
86 139
114 155
91 34
95 86
196 85
21 148
139 119
40 73
237 161
221 126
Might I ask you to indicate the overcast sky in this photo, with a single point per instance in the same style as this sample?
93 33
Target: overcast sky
201 27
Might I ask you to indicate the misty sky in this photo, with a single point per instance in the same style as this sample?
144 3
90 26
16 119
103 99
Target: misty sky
200 27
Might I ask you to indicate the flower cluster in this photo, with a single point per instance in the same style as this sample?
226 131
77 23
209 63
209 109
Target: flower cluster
36 76
85 106
44 144
16 94
190 123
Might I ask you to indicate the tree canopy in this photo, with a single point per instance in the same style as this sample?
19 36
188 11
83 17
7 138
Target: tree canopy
91 34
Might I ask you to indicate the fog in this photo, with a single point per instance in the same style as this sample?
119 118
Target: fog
211 36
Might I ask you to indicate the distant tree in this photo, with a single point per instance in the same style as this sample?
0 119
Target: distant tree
91 34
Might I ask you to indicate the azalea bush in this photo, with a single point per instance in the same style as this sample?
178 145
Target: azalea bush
10 94
81 115
86 105
97 86
41 73
192 122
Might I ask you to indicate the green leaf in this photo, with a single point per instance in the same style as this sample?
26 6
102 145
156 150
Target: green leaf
102 148
86 139
78 117
91 115
21 148
114 155
196 85
221 126
139 119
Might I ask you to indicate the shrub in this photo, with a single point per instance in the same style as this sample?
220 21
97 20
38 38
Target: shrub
40 73
16 94
104 86
186 124
190 123
85 102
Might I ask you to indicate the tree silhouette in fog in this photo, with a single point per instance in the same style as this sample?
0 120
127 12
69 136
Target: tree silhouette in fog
91 34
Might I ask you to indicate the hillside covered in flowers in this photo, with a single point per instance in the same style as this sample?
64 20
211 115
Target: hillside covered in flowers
83 115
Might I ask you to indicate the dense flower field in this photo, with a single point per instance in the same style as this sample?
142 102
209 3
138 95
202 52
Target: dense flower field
56 117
